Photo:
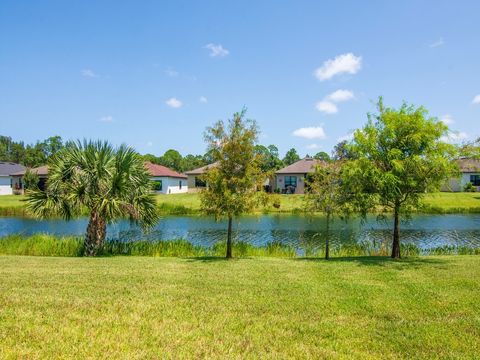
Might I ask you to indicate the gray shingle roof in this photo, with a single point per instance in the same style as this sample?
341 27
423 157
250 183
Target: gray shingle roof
8 168
468 165
200 170
303 166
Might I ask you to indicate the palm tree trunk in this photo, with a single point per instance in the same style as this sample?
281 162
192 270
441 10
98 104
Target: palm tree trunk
96 233
229 238
396 234
327 239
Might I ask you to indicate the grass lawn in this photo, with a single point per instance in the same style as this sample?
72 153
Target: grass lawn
190 203
134 307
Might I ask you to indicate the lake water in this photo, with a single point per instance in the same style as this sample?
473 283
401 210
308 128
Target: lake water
425 231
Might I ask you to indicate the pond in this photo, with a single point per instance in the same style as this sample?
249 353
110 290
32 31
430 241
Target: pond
301 232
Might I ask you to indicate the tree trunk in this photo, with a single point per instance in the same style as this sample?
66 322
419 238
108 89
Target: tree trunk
327 239
95 236
396 235
229 238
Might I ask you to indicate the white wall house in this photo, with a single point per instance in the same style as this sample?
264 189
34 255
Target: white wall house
469 173
8 183
170 182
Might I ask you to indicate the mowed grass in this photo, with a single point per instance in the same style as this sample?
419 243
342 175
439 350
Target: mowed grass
132 308
189 203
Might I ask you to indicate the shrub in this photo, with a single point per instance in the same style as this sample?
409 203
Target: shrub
157 185
469 187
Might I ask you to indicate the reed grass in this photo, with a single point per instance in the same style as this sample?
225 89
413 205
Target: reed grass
50 245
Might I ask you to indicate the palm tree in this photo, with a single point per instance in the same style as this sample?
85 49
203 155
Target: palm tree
110 183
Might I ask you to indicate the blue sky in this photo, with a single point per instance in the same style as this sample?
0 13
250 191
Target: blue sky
154 74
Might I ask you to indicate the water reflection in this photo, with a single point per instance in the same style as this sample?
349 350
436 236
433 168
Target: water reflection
305 234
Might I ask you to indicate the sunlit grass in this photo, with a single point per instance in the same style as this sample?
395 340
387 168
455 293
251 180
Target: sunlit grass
134 307
189 204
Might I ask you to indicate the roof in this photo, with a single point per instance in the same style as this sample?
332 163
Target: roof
201 170
468 165
162 171
303 166
40 171
8 168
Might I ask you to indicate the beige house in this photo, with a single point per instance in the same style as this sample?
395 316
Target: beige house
291 179
41 172
469 173
194 181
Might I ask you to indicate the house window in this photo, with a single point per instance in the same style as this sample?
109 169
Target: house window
290 181
180 184
475 180
199 182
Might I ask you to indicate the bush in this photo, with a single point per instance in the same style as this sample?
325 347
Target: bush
157 185
469 187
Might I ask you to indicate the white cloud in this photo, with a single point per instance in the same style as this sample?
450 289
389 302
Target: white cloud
89 73
174 103
454 137
313 132
328 104
346 63
171 72
217 50
447 119
106 119
348 137
313 146
437 43
327 107
476 99
203 99
340 96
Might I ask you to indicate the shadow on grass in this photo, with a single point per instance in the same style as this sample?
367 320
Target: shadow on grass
379 260
208 259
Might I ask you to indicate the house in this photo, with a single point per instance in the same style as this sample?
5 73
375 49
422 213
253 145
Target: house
9 184
469 173
167 180
195 183
291 179
41 172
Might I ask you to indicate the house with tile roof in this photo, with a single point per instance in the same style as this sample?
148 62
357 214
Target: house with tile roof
8 184
469 173
167 180
195 182
291 179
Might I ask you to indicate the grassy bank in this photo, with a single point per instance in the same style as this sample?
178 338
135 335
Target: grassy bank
48 245
189 204
252 308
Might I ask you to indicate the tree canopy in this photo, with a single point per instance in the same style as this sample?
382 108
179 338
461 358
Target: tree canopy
397 157
232 184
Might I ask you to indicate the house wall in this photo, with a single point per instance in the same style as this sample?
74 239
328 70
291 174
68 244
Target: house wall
280 182
457 184
171 185
5 185
191 183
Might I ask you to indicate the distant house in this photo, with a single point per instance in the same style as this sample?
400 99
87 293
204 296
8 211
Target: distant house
41 172
469 173
195 183
167 180
8 183
291 179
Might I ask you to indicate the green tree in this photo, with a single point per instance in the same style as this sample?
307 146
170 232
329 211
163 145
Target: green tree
110 183
30 180
322 155
341 151
327 195
172 159
290 157
398 157
232 184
